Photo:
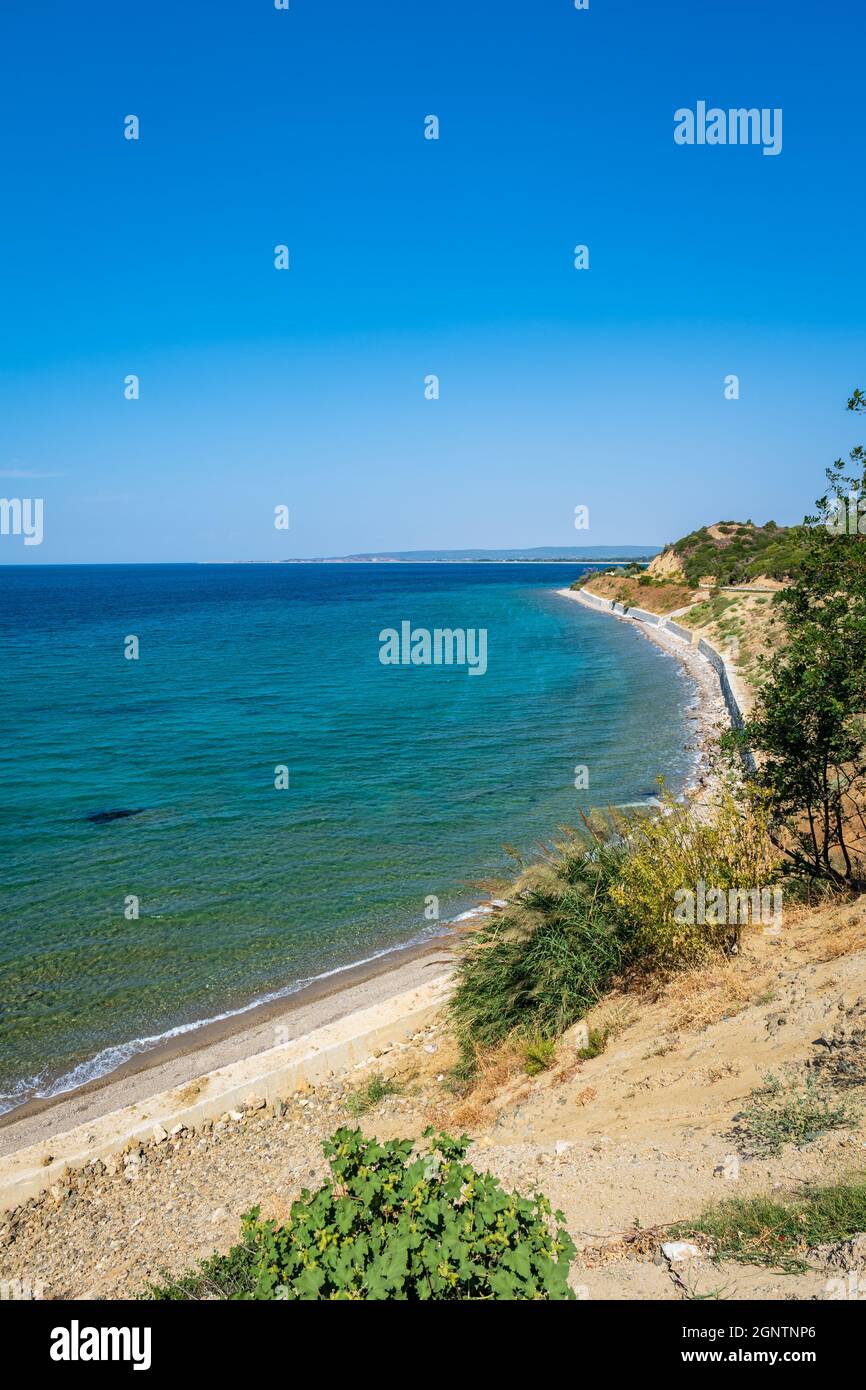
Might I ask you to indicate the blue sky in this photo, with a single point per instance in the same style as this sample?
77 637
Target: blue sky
408 257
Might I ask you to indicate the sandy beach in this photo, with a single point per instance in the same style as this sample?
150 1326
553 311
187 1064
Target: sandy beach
218 1044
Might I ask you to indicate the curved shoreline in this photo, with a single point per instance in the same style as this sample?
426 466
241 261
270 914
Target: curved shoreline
219 1044
208 1045
711 711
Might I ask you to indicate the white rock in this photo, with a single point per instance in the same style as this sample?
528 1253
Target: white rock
562 1146
176 1130
159 1135
678 1250
221 1214
577 1036
254 1102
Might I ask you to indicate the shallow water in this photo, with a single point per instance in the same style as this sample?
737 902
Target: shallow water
405 782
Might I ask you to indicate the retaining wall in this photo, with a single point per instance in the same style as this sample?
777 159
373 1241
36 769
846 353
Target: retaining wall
594 601
685 634
270 1075
727 679
643 616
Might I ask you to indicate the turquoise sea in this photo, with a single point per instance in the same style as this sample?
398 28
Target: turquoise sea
405 782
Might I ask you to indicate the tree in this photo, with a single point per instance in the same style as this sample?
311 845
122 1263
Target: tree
808 723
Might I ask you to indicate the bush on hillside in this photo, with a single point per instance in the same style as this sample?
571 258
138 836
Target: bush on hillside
742 552
600 904
392 1226
549 956
670 855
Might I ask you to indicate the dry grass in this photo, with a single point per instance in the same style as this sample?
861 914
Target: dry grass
708 993
845 933
661 598
493 1084
691 1000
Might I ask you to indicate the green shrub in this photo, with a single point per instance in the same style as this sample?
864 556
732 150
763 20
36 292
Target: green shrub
538 1055
390 1226
611 898
744 552
542 962
677 851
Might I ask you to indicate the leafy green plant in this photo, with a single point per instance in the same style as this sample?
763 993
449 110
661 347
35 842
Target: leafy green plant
368 1097
392 1226
792 1112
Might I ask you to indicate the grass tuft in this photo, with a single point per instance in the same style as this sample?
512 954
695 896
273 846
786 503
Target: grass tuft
368 1097
787 1112
538 1055
765 1231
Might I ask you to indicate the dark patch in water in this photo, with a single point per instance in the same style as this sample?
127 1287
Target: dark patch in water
100 817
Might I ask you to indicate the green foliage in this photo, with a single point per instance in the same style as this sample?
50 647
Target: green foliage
538 1055
602 902
393 1226
219 1277
549 956
808 722
764 1231
678 850
793 1112
368 1097
596 1043
742 552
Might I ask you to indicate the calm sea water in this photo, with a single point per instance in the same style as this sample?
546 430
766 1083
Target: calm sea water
404 781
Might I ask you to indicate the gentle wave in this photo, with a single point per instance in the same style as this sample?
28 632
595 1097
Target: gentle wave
110 1058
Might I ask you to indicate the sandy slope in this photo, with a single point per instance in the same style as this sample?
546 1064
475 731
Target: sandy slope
635 1134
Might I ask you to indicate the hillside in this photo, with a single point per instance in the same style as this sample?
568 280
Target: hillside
744 626
692 578
625 1142
731 552
639 588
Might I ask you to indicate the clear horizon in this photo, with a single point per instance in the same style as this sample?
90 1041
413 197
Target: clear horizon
410 257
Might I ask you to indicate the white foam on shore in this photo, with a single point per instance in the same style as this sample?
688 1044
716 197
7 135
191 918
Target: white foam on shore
110 1058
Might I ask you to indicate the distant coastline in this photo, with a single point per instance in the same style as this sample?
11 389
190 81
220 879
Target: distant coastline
642 557
477 560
